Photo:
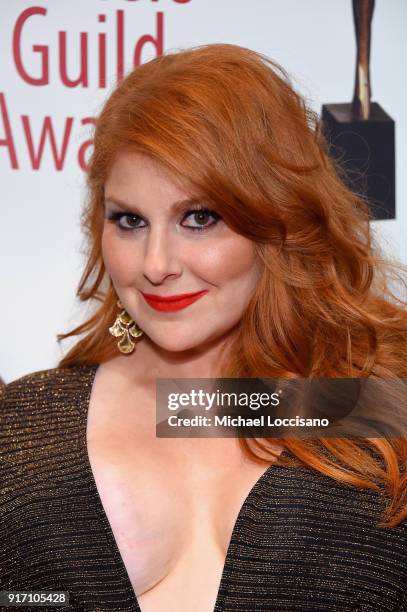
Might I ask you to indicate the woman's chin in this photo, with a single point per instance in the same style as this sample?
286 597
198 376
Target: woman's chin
180 342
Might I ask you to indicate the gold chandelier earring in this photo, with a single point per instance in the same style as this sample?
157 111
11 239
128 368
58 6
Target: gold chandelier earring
125 328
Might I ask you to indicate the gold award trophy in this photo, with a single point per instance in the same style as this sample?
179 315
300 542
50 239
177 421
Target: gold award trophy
361 133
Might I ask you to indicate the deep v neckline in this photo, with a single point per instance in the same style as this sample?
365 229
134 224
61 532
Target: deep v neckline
264 481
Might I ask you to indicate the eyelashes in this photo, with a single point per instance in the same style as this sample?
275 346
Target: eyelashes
133 221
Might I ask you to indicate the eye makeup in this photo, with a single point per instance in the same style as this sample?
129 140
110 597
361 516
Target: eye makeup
130 221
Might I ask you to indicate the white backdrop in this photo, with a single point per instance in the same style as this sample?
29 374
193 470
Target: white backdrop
42 191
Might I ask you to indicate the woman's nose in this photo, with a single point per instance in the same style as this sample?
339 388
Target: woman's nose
161 256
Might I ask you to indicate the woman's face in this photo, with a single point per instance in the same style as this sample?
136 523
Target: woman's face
149 246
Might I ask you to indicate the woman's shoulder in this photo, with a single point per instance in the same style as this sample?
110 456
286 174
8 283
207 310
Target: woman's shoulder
50 376
44 387
41 409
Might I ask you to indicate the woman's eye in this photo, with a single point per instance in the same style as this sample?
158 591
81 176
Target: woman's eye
200 217
126 220
130 221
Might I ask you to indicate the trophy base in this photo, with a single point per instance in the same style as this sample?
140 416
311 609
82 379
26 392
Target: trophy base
366 150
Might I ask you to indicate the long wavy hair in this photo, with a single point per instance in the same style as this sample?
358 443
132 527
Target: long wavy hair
229 123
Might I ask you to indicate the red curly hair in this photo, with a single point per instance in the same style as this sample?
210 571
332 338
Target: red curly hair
228 122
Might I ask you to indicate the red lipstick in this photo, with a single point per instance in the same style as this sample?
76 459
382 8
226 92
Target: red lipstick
170 303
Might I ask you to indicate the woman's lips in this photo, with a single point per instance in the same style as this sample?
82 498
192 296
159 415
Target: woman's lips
171 303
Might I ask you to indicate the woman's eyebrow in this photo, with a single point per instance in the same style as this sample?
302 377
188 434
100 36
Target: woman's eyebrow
177 206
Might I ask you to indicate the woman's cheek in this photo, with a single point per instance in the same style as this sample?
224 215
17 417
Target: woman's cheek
119 258
232 258
109 253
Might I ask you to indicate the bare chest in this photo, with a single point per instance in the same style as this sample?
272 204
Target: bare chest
172 518
171 503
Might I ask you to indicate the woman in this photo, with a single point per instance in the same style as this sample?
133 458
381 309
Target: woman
210 177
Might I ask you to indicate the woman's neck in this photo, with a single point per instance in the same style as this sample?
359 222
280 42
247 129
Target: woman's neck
150 361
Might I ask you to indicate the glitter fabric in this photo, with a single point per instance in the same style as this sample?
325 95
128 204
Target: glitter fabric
301 541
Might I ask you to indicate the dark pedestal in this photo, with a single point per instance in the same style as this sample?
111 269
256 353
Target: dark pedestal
366 148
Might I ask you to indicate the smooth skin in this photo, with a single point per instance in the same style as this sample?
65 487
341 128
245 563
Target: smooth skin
160 253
